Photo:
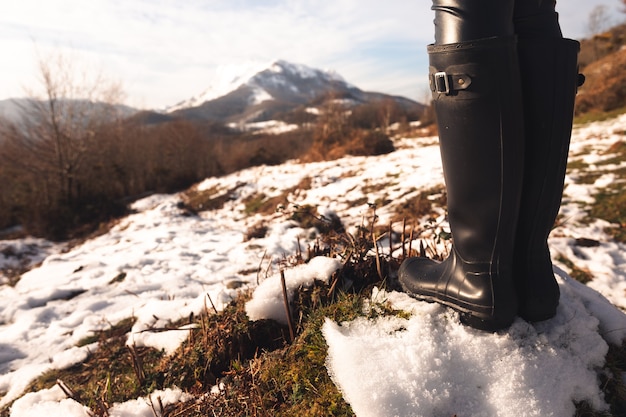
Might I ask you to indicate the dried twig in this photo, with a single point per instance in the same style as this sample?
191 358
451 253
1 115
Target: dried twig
390 250
258 273
334 281
161 411
69 393
299 251
211 301
378 267
137 364
292 335
102 406
390 241
403 237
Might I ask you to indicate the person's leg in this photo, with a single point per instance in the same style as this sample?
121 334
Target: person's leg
536 19
548 65
468 20
475 81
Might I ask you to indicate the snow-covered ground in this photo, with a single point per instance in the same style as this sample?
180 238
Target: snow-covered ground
161 264
273 127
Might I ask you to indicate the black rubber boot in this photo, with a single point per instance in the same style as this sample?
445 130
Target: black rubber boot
478 105
549 79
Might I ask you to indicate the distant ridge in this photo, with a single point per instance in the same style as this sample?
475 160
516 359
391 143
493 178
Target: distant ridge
279 87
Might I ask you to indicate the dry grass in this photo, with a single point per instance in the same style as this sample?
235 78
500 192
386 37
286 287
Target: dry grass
259 368
610 202
232 366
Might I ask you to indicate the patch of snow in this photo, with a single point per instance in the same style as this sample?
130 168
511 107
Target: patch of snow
160 265
273 127
268 302
259 95
432 365
227 78
143 406
48 402
304 71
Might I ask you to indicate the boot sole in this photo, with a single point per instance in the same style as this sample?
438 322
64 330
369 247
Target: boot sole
467 316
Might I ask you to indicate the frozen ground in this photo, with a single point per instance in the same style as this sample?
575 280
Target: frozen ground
161 264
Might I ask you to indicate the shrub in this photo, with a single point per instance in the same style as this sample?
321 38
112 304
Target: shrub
366 143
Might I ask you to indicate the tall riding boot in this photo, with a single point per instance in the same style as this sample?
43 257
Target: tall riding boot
477 100
549 79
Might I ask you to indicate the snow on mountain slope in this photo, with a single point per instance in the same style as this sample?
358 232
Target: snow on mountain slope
262 77
227 79
273 91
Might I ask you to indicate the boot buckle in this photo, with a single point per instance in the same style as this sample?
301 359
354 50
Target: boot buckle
448 83
441 83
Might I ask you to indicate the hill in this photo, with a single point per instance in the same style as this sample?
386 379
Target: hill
141 319
281 112
279 89
602 60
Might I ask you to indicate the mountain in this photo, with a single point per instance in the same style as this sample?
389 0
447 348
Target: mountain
19 110
281 87
278 93
11 109
260 77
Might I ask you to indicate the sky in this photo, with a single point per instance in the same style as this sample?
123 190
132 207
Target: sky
166 51
160 264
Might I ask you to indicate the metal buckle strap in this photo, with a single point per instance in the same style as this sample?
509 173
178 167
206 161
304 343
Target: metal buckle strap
441 82
444 83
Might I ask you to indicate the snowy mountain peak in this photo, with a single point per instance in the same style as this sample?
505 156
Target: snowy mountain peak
266 80
303 71
226 78
252 93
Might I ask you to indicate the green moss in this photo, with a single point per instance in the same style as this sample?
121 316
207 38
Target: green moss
115 331
580 275
610 202
254 203
610 205
204 200
413 209
294 380
598 116
112 373
576 165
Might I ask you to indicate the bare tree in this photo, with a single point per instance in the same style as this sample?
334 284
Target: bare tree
73 110
599 19
59 128
332 121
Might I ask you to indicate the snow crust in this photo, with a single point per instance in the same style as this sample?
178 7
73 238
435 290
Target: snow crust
431 365
268 302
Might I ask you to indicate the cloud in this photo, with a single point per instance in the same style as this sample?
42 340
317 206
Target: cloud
177 46
164 51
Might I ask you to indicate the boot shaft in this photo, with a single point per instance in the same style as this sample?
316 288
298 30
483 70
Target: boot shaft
549 72
550 79
477 99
